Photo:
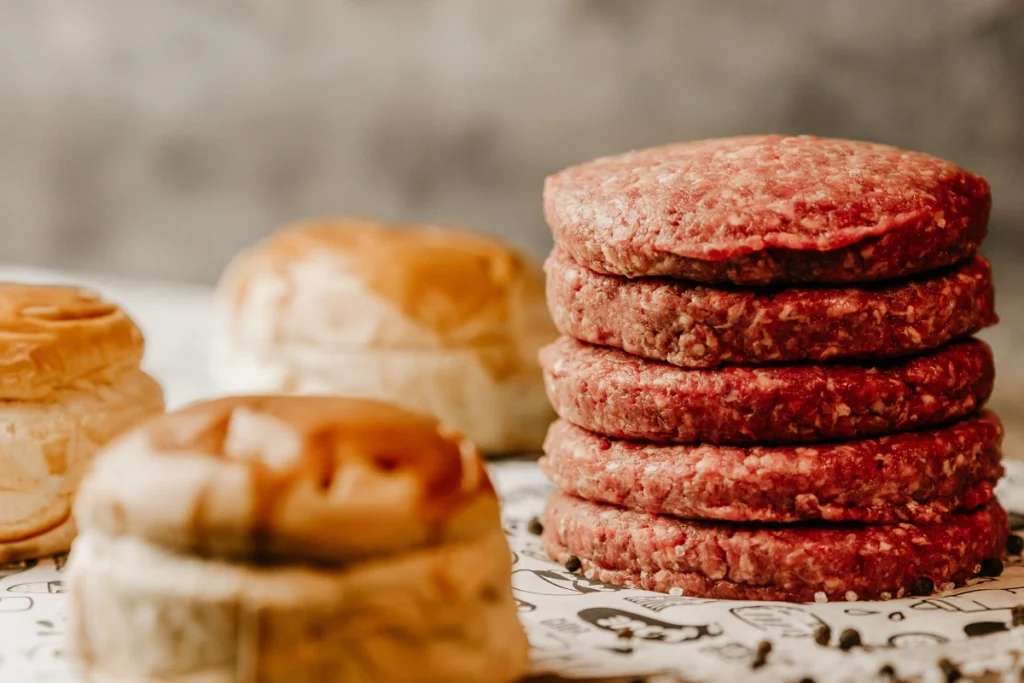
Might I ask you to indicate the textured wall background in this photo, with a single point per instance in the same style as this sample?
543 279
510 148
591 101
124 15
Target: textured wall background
155 137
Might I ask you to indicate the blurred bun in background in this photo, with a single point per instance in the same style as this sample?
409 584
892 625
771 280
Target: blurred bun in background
437 319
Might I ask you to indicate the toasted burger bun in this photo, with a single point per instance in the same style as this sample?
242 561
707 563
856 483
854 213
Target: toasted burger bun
69 383
292 539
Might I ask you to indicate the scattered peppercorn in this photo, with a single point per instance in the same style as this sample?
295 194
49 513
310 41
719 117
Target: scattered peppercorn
535 527
822 635
922 586
849 639
625 633
764 648
991 566
950 670
1017 616
888 671
1014 544
806 679
573 564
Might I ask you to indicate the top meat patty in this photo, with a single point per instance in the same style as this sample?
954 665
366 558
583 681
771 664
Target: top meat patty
768 209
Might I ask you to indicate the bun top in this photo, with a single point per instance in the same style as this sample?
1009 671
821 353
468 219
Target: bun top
51 336
457 287
315 478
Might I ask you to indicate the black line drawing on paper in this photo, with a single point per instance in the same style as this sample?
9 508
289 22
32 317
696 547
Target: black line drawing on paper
978 600
565 626
557 582
624 650
19 604
511 526
44 652
660 603
857 612
515 557
646 628
916 639
523 606
896 616
544 640
984 628
37 587
535 554
787 621
48 628
729 652
12 568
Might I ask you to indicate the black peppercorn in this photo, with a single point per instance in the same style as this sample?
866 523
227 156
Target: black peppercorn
849 639
573 564
923 586
950 670
887 671
764 648
822 635
535 527
1014 545
625 633
991 566
806 679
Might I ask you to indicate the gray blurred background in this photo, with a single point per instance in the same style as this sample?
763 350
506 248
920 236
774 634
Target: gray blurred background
158 137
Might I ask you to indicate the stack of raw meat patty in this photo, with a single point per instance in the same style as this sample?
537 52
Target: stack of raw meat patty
767 385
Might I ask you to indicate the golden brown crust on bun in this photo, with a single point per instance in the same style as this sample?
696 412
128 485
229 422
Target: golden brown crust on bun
51 336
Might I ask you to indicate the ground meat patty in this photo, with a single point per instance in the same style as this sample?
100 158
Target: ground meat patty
768 209
613 393
919 477
796 563
699 326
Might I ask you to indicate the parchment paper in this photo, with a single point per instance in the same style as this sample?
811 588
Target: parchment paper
573 623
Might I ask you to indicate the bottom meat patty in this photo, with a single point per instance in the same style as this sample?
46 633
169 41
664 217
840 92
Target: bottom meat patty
919 477
797 563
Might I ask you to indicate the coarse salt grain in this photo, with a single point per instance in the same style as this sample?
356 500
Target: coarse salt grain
675 590
850 596
820 597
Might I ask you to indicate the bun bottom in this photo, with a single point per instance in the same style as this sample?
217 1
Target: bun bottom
501 415
47 447
50 542
142 614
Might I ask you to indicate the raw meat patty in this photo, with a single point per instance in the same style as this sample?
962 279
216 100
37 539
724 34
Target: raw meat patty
919 477
613 393
798 563
768 209
699 326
